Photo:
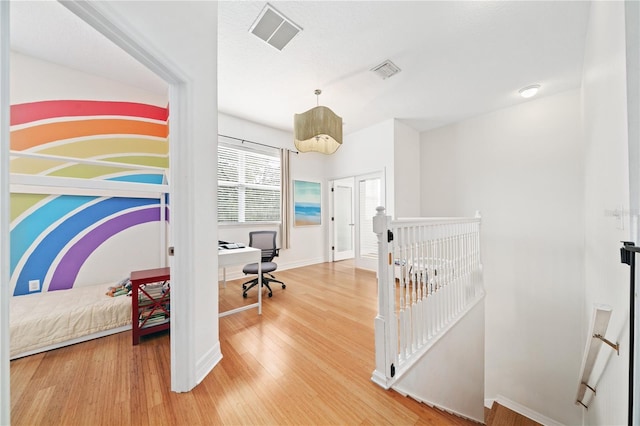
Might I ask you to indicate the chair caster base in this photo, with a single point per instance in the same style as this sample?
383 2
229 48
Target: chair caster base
270 294
244 295
284 286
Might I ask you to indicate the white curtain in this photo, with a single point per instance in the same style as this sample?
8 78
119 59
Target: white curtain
285 197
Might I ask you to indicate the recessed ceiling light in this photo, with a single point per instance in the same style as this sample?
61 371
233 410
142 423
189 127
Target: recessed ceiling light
529 91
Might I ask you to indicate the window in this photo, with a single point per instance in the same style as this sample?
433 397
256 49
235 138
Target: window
248 185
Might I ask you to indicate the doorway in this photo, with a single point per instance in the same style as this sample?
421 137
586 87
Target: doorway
370 194
354 200
184 373
343 221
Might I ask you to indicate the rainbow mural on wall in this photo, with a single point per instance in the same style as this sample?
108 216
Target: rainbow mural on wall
53 235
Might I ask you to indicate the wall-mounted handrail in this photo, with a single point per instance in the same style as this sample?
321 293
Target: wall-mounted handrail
597 331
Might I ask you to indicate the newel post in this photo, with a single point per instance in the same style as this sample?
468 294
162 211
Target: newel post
383 324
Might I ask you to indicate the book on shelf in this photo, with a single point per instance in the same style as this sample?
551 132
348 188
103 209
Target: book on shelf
145 301
147 314
154 321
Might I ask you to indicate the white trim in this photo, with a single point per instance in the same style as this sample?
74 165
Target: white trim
53 190
183 328
5 388
164 244
521 409
488 403
361 261
208 361
441 407
116 28
67 182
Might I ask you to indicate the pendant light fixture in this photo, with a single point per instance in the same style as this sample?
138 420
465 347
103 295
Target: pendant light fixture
318 129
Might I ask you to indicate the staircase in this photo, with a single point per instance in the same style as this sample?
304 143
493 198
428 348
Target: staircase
499 415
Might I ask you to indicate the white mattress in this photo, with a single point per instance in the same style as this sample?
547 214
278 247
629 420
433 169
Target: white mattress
48 319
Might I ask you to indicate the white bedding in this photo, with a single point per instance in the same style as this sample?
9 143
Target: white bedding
52 319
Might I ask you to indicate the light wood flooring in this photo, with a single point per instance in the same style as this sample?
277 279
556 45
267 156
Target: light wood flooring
306 361
500 415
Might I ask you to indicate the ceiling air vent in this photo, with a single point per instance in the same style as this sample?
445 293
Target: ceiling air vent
386 69
274 28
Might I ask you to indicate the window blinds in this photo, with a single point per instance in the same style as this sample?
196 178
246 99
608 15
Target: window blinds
248 185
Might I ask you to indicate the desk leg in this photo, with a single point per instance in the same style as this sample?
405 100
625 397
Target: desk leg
259 287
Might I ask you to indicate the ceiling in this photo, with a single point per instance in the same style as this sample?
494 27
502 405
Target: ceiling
458 59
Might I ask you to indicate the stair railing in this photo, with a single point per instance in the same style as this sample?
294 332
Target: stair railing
429 276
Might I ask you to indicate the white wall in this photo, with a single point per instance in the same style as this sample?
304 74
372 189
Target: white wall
406 170
452 379
308 244
33 80
522 168
366 151
606 189
184 35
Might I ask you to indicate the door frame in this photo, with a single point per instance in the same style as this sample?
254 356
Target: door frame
5 46
358 261
361 262
104 20
334 227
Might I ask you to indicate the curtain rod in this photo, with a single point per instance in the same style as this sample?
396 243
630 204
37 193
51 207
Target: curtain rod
257 143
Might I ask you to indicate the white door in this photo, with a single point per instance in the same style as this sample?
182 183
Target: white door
370 194
343 219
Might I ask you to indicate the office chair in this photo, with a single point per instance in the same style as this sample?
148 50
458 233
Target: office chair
265 241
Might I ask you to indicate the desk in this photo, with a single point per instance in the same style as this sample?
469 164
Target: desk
242 256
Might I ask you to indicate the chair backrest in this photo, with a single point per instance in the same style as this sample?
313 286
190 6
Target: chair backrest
265 241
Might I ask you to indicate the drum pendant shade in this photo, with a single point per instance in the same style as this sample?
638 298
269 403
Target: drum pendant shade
318 129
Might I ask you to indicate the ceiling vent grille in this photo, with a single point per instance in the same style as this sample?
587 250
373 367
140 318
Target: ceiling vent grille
274 28
386 69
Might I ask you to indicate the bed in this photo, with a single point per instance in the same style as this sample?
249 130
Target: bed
45 321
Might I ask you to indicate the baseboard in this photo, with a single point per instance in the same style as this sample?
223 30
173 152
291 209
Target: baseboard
521 409
450 411
441 407
207 362
488 403
300 264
